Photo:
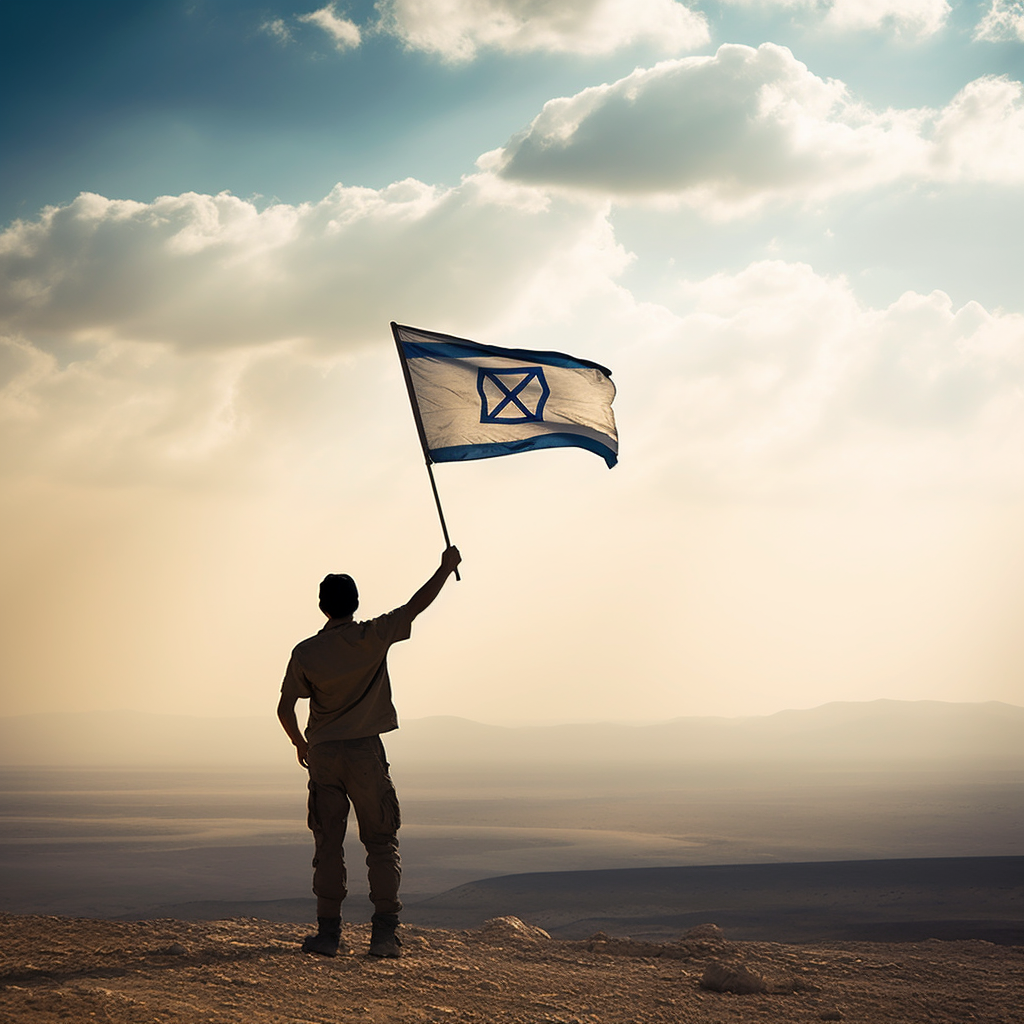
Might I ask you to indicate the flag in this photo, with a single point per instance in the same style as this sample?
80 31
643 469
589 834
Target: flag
477 401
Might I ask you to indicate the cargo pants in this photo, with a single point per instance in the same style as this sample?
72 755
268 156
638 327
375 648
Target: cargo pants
354 773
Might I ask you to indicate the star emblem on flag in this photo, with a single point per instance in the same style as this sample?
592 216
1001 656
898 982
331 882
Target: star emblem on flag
512 395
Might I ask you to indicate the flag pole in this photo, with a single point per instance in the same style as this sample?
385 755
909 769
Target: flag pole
423 436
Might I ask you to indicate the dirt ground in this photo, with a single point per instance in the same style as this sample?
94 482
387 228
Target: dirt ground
251 971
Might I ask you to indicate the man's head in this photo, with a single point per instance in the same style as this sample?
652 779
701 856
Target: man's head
338 596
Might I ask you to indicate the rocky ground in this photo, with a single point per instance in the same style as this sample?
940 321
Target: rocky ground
249 970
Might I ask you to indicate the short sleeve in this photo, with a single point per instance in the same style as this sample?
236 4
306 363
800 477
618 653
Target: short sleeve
295 683
394 626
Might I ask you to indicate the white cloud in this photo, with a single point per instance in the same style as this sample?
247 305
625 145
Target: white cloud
777 377
213 272
910 18
143 334
277 28
196 336
979 136
728 133
344 33
1003 21
456 30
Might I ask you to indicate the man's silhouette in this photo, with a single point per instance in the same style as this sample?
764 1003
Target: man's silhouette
343 672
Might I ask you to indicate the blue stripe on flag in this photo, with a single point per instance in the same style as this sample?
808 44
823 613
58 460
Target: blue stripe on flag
470 350
466 452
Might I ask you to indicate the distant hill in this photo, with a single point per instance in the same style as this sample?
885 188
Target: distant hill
869 734
847 733
877 900
863 900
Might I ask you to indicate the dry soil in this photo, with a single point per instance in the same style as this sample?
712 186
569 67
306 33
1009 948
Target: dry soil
249 970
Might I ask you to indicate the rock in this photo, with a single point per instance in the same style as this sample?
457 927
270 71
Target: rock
512 928
705 931
830 1015
744 982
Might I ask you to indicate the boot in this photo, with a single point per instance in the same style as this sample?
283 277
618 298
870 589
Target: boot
383 940
327 938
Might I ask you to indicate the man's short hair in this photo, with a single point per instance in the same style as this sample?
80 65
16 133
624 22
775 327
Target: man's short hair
338 595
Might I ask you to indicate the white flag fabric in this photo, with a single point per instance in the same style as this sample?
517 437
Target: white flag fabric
480 401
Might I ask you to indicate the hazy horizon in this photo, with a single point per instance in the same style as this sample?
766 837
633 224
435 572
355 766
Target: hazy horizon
103 842
533 723
870 780
877 734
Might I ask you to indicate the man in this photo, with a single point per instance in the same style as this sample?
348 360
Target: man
343 672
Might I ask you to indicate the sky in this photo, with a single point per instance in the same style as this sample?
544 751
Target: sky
792 229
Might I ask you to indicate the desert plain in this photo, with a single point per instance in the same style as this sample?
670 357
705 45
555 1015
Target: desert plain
872 885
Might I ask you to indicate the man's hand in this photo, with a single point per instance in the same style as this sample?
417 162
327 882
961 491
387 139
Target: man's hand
302 752
450 559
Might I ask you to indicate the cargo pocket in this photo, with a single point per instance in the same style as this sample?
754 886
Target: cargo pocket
390 811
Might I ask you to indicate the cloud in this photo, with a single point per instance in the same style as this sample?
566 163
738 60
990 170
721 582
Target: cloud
731 132
909 18
277 28
141 334
456 30
728 130
979 136
214 272
344 33
777 377
199 338
1004 21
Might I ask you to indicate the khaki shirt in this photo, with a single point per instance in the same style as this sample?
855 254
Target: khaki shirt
343 670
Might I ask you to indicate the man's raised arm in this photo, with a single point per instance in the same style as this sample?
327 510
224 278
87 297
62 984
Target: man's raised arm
424 597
